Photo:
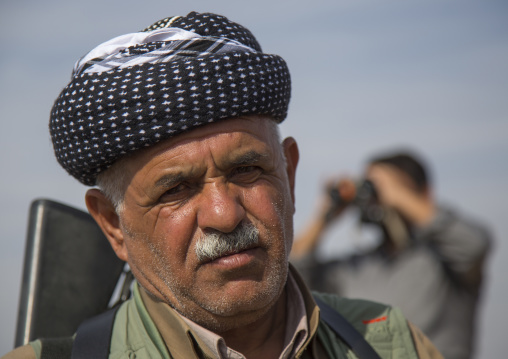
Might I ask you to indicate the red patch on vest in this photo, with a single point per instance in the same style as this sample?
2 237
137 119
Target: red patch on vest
380 319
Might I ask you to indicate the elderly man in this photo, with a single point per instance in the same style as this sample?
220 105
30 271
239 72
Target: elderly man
178 127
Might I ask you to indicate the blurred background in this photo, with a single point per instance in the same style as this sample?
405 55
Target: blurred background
367 76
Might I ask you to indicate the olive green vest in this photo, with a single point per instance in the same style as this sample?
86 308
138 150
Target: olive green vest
385 329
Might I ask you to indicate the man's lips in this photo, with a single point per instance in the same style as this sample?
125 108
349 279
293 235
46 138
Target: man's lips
233 258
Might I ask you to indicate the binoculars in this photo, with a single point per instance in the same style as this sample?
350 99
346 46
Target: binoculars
366 200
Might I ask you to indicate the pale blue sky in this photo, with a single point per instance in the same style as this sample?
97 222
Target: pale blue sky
367 76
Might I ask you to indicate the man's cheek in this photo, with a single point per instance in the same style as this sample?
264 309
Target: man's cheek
266 201
174 229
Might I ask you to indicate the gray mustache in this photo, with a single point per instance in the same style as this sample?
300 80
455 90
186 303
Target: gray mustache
216 244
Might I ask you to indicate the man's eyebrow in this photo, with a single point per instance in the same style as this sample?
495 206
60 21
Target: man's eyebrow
251 157
248 158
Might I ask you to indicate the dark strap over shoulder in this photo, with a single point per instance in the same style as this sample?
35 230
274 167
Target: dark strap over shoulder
93 337
56 348
346 331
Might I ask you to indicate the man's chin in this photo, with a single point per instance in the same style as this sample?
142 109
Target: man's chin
232 309
230 317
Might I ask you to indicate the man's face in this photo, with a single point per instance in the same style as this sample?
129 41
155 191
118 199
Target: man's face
394 187
211 180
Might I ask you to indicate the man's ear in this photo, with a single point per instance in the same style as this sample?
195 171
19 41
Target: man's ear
103 211
292 156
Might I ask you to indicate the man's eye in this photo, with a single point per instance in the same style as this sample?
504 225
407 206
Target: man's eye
246 173
175 193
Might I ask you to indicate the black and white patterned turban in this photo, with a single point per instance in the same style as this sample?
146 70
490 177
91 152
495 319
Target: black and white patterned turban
138 89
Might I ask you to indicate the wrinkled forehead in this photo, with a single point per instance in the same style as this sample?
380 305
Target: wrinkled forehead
230 135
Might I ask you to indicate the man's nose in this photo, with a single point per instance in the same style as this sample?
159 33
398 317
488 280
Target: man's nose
220 207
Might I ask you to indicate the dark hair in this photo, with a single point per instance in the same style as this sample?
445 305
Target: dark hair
408 163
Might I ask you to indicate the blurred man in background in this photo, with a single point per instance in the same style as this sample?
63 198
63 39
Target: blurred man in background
430 259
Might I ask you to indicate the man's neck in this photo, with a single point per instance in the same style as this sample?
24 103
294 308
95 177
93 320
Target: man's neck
265 336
